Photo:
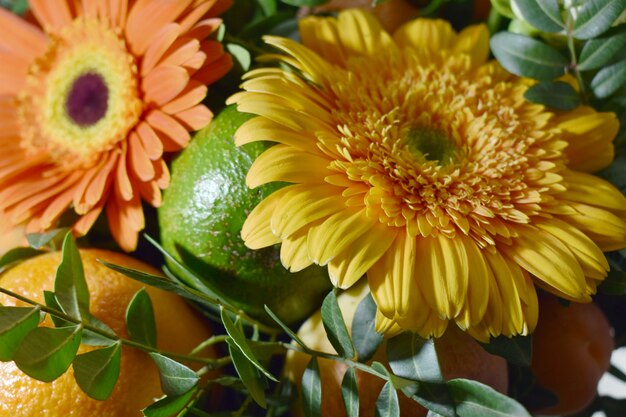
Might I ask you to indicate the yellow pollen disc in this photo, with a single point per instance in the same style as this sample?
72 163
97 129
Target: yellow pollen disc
87 64
441 147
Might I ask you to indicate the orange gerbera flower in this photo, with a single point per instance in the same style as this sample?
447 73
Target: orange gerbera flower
90 100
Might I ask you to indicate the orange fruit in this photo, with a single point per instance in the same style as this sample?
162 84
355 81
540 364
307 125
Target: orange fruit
390 13
460 356
572 348
179 330
200 221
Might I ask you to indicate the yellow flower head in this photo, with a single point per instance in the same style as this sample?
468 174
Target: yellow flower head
91 96
415 161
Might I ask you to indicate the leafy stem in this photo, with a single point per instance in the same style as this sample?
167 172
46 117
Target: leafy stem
569 29
209 363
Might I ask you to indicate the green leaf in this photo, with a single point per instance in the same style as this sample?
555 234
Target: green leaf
96 372
555 94
503 7
364 335
242 55
15 255
307 3
596 17
140 319
432 396
598 52
544 15
15 324
169 406
387 404
609 79
52 239
46 353
312 390
474 399
516 350
268 7
286 328
336 327
252 379
70 287
350 393
528 57
414 358
176 378
240 340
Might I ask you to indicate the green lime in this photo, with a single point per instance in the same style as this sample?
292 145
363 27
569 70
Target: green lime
201 217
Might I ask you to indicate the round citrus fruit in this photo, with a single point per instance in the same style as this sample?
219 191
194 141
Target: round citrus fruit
201 217
179 330
572 348
460 356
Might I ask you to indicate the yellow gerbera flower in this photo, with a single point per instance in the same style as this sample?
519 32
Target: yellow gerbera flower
91 95
417 162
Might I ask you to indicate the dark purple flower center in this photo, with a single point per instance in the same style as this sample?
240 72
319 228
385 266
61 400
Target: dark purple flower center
88 99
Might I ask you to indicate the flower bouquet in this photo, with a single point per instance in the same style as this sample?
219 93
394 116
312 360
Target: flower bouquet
312 208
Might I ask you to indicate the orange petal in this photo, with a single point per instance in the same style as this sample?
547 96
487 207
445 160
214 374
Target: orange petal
26 40
195 118
195 62
56 207
138 160
52 15
125 221
150 140
164 83
170 127
98 186
181 51
146 17
163 40
204 28
123 186
150 192
193 94
215 70
162 176
12 72
196 14
82 226
117 12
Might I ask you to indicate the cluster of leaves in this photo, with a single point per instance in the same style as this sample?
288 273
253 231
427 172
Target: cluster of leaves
552 40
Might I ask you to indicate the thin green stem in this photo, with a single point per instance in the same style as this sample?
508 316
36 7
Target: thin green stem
243 408
211 363
209 342
228 38
569 29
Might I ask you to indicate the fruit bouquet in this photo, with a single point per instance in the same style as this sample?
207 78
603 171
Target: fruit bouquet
312 208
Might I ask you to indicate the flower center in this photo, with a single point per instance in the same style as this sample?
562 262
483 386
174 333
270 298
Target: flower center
81 97
87 100
431 143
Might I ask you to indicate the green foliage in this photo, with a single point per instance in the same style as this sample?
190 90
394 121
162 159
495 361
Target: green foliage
251 377
599 51
609 79
15 255
596 17
544 15
285 328
387 404
516 350
176 378
15 324
350 393
336 327
140 319
473 399
169 406
364 335
70 288
556 94
96 371
312 389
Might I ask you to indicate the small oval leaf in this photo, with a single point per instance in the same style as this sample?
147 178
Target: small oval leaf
387 404
15 255
241 55
312 390
15 324
555 94
544 15
474 399
414 358
364 335
96 372
596 17
176 378
70 287
598 52
335 326
528 57
516 350
609 79
169 406
140 319
350 393
46 353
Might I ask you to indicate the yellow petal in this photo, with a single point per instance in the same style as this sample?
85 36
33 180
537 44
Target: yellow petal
284 163
548 259
314 66
294 254
479 283
262 129
351 264
474 41
361 33
256 231
336 233
434 35
603 227
592 190
322 36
